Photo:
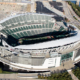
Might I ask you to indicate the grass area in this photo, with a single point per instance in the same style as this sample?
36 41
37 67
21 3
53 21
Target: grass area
75 7
5 72
77 72
59 76
40 38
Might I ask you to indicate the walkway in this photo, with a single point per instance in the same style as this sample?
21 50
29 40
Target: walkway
29 76
72 75
65 65
20 76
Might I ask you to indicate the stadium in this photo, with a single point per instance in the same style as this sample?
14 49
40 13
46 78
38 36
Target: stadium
36 42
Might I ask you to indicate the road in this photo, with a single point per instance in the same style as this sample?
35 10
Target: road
69 14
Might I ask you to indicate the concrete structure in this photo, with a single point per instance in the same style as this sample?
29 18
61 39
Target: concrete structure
48 44
77 2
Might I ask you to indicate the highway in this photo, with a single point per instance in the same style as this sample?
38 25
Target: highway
69 13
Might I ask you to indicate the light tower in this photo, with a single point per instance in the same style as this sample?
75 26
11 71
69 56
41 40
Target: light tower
32 5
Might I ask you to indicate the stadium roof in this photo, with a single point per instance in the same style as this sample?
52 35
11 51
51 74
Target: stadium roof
53 43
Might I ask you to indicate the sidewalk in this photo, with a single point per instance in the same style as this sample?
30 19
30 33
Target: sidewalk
67 65
72 75
19 76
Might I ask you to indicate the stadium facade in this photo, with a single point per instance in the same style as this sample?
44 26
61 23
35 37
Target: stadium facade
36 42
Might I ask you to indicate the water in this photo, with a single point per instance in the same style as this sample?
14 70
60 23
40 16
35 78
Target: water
75 2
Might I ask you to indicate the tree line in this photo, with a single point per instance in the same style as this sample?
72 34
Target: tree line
75 7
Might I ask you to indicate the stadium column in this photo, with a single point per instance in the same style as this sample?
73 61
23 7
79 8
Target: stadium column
57 61
32 5
75 55
2 51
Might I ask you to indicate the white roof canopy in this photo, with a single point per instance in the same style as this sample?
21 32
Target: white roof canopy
53 43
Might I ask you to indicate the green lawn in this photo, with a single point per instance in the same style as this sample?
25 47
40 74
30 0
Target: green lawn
77 72
5 72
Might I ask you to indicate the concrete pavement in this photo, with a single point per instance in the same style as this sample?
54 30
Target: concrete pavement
73 13
69 13
19 76
72 75
48 6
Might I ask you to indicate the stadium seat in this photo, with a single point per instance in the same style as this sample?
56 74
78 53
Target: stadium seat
33 33
16 29
22 34
19 35
31 27
3 24
20 18
29 33
15 36
24 18
14 20
26 33
27 25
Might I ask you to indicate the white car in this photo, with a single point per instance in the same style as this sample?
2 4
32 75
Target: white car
14 52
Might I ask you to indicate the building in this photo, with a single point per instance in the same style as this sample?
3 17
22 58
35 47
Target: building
36 42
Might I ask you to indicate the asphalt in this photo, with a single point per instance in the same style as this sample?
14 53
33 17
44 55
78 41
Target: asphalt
69 13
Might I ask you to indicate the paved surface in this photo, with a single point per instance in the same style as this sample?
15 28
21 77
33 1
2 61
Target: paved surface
57 5
68 64
16 1
19 76
72 75
76 22
48 6
68 13
73 13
